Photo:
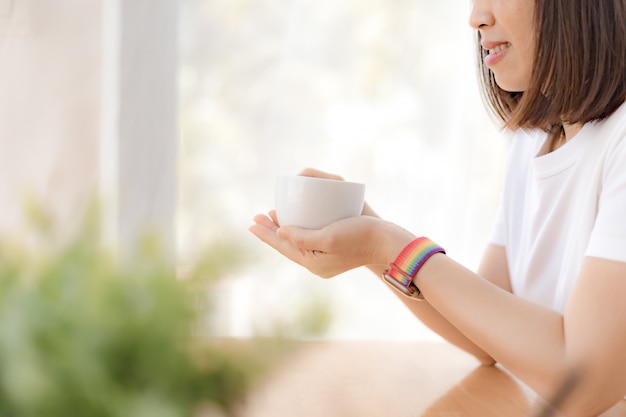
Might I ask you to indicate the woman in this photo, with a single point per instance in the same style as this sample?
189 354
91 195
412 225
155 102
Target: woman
548 295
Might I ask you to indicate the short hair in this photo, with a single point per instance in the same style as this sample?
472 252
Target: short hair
579 69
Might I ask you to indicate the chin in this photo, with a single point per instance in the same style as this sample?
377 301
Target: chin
511 86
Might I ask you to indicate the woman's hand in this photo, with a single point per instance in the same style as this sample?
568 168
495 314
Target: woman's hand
343 245
334 249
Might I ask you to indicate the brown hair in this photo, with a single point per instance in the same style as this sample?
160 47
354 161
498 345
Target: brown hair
579 74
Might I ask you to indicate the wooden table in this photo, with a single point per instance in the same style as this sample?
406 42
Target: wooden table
363 379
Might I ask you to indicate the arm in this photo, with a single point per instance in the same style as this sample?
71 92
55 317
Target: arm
478 313
538 344
493 267
535 343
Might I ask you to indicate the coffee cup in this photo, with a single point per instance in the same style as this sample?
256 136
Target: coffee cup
313 203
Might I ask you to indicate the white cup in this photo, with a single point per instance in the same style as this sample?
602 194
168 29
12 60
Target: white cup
313 203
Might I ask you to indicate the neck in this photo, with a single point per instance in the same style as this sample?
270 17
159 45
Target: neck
560 137
571 130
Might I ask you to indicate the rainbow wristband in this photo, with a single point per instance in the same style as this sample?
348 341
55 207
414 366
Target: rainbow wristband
404 268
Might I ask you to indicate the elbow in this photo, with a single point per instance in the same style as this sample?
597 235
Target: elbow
485 360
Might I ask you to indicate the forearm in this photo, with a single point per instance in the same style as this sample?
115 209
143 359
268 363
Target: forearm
532 341
526 338
529 339
437 323
392 241
479 316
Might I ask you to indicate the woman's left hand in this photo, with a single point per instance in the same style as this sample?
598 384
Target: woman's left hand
336 248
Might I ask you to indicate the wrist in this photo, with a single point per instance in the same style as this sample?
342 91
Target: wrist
404 268
390 240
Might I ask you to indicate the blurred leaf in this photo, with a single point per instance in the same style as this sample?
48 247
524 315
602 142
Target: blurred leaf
84 334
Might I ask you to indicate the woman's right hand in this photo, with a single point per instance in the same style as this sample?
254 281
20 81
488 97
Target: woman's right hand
338 247
343 245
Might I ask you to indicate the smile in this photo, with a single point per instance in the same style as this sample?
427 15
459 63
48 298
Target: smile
499 48
496 53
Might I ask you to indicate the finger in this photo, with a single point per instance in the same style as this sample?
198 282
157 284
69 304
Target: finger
303 239
265 230
272 215
368 211
266 221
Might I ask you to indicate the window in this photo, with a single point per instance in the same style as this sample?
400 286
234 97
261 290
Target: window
379 92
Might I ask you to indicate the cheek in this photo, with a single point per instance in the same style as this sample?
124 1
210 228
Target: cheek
526 62
527 50
515 76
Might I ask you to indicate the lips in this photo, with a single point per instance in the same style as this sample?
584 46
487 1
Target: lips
499 48
495 47
495 52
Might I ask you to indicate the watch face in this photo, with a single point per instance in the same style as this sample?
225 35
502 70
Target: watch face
411 291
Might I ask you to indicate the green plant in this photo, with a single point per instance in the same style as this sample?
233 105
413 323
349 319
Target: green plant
84 334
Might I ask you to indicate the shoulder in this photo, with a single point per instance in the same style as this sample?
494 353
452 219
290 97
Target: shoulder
613 128
610 134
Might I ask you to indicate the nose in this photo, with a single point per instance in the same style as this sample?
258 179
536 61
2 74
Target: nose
481 15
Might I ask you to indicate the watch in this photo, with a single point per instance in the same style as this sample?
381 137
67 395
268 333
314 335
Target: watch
404 268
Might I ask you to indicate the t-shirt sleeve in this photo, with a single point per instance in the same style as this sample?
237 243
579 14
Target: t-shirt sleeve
608 238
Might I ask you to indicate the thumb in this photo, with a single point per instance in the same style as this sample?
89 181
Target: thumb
303 239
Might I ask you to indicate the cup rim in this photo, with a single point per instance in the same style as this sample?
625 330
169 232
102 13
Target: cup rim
320 179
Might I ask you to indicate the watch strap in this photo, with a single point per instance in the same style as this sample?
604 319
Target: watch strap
404 268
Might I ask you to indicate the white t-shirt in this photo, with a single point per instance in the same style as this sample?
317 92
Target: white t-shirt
562 206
